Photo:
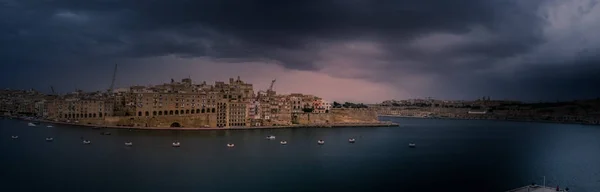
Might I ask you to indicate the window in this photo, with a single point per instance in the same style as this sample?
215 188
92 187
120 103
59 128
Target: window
139 113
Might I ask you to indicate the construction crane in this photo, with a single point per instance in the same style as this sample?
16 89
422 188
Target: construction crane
52 88
112 84
272 83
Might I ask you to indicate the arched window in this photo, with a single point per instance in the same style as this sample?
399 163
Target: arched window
147 113
203 110
94 115
181 112
171 112
213 110
85 115
153 113
197 110
66 116
100 115
139 113
105 114
159 112
166 113
176 112
187 111
192 111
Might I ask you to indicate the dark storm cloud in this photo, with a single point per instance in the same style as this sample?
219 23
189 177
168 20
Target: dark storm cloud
478 35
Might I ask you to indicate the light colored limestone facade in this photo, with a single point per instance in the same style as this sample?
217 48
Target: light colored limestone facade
185 104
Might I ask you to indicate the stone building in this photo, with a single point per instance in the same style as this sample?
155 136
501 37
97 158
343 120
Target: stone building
74 109
185 104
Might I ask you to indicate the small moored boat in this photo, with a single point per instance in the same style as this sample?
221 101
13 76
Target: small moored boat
351 140
320 142
49 139
412 145
14 136
270 137
176 144
106 133
230 145
128 144
31 124
87 142
49 126
284 142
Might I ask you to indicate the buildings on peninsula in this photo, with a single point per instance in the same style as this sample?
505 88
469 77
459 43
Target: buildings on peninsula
182 104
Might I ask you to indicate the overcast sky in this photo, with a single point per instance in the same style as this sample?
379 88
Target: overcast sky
344 50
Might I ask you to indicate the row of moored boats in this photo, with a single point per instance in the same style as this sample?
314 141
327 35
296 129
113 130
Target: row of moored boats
178 144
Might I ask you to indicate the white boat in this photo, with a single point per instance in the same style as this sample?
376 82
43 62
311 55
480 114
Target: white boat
49 139
351 140
412 145
283 142
31 124
128 143
230 145
49 126
176 144
270 137
14 137
320 142
86 142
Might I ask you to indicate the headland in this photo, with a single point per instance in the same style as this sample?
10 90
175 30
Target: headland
568 112
186 105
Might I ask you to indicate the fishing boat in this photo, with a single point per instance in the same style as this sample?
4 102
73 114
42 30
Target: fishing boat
351 140
129 144
49 126
176 144
230 145
320 142
14 136
270 137
49 139
284 142
412 145
87 142
31 124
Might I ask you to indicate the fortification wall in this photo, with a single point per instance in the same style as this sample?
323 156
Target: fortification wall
339 116
191 121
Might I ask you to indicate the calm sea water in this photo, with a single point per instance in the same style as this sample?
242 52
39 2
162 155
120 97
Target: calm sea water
451 155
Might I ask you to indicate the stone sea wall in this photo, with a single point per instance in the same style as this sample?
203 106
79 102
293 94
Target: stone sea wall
206 120
335 116
339 116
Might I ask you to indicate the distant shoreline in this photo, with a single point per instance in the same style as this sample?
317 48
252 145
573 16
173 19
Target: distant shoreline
508 120
337 125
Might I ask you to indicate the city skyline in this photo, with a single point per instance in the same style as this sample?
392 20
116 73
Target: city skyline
347 51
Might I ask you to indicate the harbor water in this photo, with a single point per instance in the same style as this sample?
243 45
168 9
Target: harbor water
450 155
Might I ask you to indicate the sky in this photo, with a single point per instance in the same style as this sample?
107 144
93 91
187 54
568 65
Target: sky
342 50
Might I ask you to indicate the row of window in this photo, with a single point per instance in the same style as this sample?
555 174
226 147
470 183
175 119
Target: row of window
178 112
85 115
